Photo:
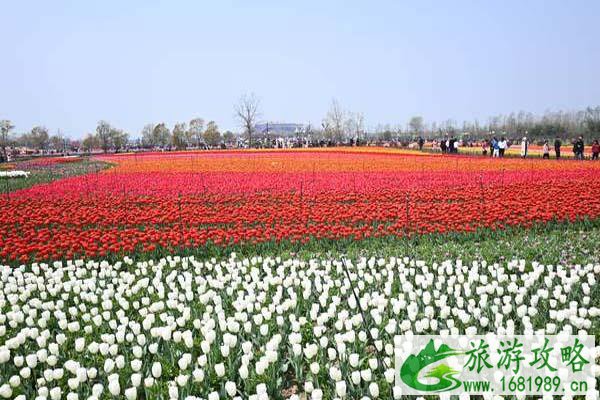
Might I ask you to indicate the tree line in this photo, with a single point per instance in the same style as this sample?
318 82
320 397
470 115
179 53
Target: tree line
551 124
338 126
182 136
107 138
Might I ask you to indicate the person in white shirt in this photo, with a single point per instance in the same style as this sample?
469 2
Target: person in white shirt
502 146
524 147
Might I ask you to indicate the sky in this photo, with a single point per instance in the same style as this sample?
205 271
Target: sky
68 64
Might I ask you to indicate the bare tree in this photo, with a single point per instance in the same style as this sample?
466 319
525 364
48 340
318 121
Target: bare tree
194 134
334 122
5 127
355 124
147 138
247 112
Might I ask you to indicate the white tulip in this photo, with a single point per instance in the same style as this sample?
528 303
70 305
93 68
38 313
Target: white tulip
308 387
340 388
173 392
198 375
213 396
55 393
131 393
355 376
14 381
156 369
374 389
6 391
109 365
113 387
243 372
136 365
230 388
365 374
136 379
316 394
79 344
314 368
97 389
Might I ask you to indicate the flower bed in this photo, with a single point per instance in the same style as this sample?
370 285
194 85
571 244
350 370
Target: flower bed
14 174
187 200
261 327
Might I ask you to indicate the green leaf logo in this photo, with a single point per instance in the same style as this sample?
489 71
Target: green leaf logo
409 372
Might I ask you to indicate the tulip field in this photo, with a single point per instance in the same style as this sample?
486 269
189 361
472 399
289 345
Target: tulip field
282 274
165 203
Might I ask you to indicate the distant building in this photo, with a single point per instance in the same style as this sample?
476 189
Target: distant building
278 129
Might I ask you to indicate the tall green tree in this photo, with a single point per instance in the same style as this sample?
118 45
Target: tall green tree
592 120
119 139
212 136
90 142
58 142
416 125
103 132
228 137
161 135
180 138
38 138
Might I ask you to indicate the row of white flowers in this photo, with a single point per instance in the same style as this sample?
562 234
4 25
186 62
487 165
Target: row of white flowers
14 174
260 328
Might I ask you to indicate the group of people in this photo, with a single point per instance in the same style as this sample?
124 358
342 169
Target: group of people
578 149
497 147
450 145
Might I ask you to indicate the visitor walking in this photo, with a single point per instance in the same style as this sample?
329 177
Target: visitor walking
502 146
546 150
495 148
451 145
578 148
595 150
443 145
421 143
557 144
524 147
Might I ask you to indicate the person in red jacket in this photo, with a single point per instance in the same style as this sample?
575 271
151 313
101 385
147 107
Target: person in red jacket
595 150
